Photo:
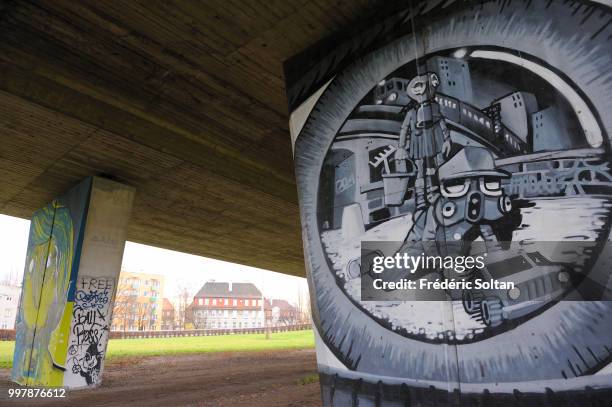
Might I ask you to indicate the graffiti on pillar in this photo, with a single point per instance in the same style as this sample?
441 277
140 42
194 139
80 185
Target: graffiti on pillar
45 311
43 318
495 134
90 328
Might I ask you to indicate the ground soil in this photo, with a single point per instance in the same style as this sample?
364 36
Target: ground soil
223 379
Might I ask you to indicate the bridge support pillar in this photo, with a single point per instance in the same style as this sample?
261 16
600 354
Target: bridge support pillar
72 266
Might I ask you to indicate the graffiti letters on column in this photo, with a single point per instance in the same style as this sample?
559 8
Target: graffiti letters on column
90 327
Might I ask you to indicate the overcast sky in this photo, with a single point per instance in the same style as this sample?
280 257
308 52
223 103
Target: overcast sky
179 269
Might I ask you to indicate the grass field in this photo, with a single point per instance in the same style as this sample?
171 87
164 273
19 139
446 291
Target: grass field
118 348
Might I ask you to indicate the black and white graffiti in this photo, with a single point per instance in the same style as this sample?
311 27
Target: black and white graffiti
89 332
486 122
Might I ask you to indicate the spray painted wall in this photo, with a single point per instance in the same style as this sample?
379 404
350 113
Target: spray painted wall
45 310
443 101
90 329
74 255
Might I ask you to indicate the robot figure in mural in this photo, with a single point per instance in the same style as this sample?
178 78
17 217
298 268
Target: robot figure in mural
424 138
471 204
472 198
424 142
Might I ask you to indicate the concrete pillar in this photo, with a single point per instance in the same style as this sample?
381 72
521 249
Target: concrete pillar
72 266
357 112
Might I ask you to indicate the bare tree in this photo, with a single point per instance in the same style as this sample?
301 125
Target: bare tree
144 316
303 306
126 303
11 277
184 300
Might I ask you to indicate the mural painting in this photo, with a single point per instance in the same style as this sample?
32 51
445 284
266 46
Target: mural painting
45 311
483 124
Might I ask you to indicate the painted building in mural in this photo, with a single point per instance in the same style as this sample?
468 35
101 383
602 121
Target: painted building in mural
9 302
483 124
221 305
65 305
138 302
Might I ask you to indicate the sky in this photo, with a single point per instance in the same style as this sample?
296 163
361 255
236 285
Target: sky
178 269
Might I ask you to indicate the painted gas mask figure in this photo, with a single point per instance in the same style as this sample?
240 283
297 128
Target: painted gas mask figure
471 205
424 138
472 200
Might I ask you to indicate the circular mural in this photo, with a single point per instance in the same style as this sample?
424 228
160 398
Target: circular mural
485 132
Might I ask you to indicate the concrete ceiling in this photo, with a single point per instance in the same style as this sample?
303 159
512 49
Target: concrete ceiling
183 100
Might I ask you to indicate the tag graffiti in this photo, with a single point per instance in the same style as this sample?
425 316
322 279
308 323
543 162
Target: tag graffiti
90 328
92 300
343 184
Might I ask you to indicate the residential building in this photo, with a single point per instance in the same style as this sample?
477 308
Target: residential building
281 313
138 303
9 302
226 305
167 315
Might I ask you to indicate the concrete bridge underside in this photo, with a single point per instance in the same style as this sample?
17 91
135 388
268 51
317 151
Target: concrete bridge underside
184 101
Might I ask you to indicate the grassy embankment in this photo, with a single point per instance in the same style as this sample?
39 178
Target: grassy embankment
118 348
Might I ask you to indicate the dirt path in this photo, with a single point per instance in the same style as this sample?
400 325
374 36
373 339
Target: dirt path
231 379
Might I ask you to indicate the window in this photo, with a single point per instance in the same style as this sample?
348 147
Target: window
214 301
226 301
235 302
206 301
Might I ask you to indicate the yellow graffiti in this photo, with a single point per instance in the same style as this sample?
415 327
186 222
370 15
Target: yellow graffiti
44 322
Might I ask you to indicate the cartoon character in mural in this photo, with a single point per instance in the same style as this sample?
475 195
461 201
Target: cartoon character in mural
424 138
472 205
89 365
43 321
472 200
424 143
